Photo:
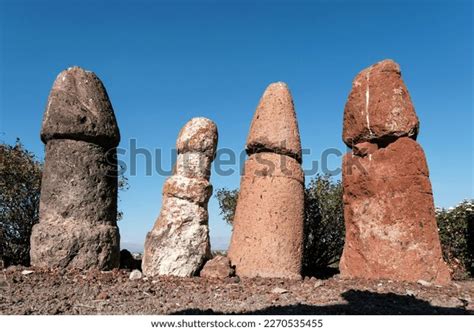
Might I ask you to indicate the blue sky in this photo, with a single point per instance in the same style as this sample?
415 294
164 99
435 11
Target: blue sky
166 62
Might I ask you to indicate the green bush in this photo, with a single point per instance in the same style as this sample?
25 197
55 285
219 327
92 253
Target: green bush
20 183
456 232
227 202
323 226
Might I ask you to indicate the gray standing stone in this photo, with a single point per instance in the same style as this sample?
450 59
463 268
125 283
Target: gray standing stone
78 204
178 244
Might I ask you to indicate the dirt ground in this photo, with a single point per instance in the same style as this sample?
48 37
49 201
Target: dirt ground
95 292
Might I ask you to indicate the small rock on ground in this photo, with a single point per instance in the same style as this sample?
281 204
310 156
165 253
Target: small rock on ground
279 290
135 275
423 282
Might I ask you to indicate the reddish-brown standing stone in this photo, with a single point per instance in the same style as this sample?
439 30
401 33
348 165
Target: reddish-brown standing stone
391 230
379 106
267 238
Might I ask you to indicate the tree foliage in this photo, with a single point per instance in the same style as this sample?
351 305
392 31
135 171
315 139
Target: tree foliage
227 202
456 231
323 225
123 185
20 184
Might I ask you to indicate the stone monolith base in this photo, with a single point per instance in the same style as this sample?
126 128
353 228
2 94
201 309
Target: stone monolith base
78 208
268 223
391 230
178 245
73 245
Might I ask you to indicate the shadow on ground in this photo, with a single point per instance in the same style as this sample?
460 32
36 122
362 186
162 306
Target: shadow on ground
321 272
358 303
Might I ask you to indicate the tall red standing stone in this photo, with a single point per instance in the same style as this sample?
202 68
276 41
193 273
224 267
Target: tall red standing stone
391 230
267 238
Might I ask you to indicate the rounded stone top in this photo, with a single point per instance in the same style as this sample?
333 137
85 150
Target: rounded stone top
198 135
79 109
379 107
274 125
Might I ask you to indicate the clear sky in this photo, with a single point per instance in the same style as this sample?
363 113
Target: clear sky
166 62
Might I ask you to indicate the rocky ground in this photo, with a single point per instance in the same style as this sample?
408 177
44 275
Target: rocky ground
33 291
